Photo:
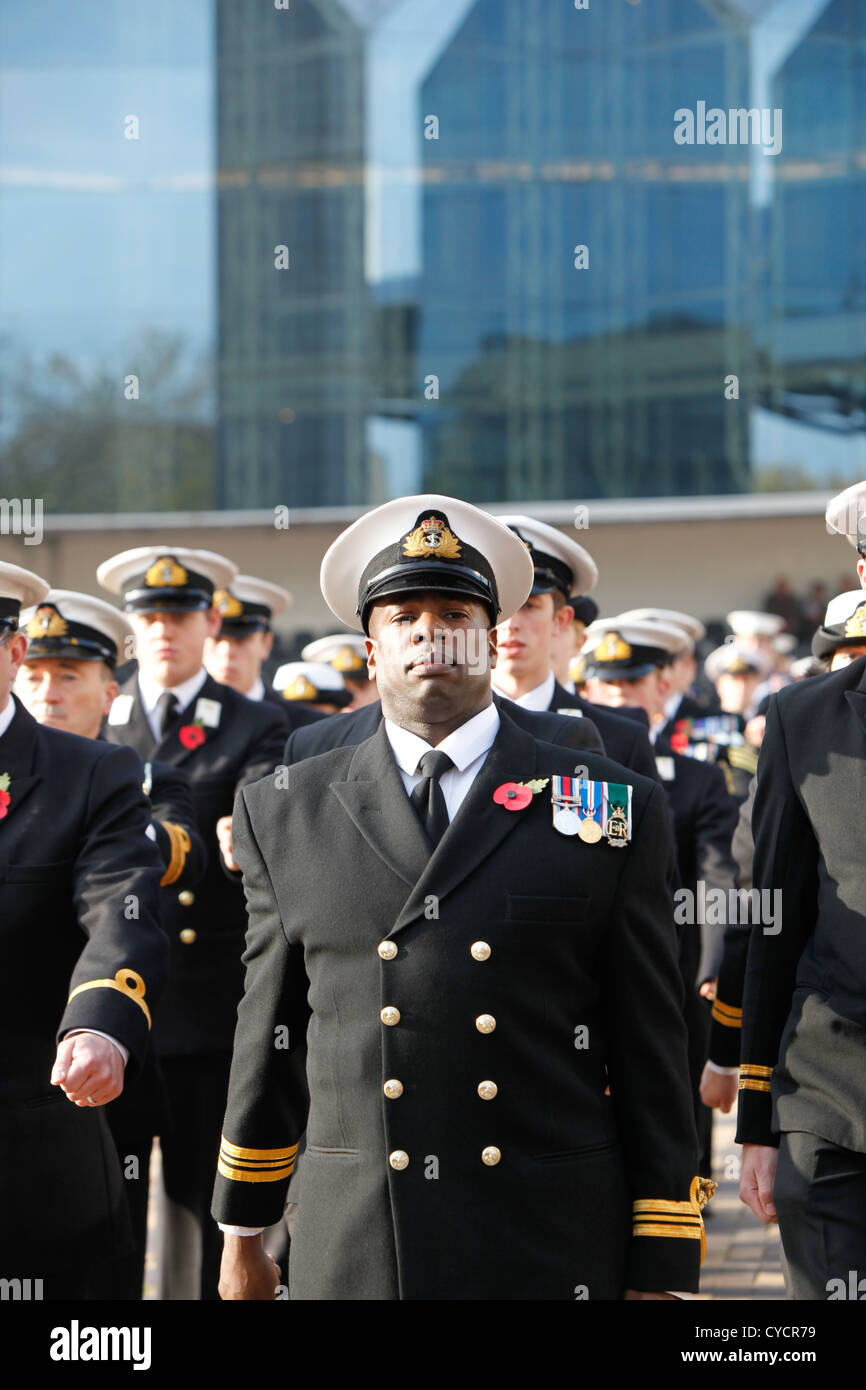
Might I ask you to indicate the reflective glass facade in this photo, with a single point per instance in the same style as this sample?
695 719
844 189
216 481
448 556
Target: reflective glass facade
351 248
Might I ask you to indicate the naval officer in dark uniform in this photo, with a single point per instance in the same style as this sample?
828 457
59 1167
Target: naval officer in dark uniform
803 1049
173 711
66 681
83 965
443 979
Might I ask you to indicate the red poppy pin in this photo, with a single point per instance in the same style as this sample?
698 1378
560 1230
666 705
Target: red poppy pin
5 798
191 735
516 796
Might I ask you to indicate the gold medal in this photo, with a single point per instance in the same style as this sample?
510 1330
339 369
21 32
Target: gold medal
589 831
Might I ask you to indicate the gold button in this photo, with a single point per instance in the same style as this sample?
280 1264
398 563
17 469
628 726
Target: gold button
485 1023
399 1159
186 898
387 949
393 1089
490 1156
487 1089
389 1015
188 936
479 950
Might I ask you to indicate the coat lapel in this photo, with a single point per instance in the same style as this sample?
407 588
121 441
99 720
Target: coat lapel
170 749
18 759
857 698
481 824
135 732
374 798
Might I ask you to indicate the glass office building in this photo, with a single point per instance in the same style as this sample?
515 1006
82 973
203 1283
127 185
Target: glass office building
321 252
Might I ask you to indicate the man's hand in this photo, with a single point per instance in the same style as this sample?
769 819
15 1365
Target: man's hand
634 1295
757 1176
247 1271
89 1069
708 989
717 1091
224 836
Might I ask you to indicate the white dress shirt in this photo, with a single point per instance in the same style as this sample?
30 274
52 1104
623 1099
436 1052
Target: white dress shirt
256 691
537 699
184 693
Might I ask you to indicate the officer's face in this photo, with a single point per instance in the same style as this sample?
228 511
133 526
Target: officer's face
64 694
649 692
736 691
525 641
11 655
845 655
237 661
169 646
431 656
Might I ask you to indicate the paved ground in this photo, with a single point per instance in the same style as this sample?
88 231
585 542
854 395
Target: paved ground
743 1257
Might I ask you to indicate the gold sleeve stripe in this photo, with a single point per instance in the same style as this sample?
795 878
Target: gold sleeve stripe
727 1014
751 1069
656 1216
255 1175
180 843
748 1083
122 982
256 1155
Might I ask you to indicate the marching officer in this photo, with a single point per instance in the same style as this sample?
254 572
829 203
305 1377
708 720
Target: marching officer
174 711
245 639
524 671
347 653
802 1112
66 681
456 976
84 962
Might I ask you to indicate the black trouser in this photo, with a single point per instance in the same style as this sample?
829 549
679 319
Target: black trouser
820 1197
197 1089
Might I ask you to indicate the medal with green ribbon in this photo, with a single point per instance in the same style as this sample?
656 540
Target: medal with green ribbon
616 813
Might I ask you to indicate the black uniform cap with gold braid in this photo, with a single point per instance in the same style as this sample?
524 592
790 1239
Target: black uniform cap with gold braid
618 650
166 579
77 627
429 556
248 605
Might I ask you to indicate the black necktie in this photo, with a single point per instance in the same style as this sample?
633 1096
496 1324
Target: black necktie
166 709
428 797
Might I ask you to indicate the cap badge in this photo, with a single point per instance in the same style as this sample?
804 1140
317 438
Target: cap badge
613 648
738 667
47 622
165 573
300 689
347 660
856 624
227 604
431 537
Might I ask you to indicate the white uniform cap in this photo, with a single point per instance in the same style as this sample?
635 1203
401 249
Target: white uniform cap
736 659
311 681
19 588
345 651
559 562
78 626
426 542
743 622
844 624
693 626
250 603
628 650
156 577
846 511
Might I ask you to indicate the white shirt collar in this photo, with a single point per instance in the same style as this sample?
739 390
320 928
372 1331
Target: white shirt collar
537 699
7 714
466 744
256 691
185 692
672 704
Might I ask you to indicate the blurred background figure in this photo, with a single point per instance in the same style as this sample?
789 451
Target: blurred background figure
238 651
346 652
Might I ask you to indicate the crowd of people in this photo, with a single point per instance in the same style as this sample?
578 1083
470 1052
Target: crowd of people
429 962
